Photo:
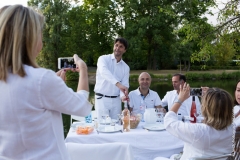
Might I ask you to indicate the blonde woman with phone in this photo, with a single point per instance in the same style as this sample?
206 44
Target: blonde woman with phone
32 99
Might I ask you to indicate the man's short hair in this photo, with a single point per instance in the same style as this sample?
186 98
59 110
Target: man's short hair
181 76
123 41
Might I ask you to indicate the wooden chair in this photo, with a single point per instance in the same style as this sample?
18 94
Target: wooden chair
236 153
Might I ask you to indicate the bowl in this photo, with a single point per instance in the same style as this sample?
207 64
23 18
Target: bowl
134 120
84 129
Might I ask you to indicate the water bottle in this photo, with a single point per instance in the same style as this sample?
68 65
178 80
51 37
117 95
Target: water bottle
142 109
88 118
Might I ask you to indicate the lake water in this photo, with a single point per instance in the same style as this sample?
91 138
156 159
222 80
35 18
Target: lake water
160 87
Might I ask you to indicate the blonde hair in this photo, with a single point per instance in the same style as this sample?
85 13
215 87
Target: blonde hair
217 108
19 30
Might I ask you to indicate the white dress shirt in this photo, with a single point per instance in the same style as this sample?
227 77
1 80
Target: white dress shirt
151 100
31 124
172 96
109 72
199 139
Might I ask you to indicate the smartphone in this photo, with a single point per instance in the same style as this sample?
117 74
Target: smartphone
66 62
196 92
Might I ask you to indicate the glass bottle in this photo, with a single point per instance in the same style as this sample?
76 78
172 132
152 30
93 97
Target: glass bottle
193 112
126 118
95 122
88 118
142 109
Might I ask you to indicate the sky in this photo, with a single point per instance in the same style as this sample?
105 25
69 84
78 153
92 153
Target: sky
211 19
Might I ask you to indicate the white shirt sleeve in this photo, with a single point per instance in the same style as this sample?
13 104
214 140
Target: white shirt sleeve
188 132
165 100
158 100
125 81
104 71
55 95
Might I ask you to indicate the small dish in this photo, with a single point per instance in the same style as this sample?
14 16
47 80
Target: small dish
109 129
84 129
154 127
75 124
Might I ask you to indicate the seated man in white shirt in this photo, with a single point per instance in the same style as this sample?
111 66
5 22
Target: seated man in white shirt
143 95
172 96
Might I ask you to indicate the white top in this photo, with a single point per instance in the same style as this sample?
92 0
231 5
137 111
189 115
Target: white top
237 119
31 124
236 109
109 72
151 100
172 96
200 139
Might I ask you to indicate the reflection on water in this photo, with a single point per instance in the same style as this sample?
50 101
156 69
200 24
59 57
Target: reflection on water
160 87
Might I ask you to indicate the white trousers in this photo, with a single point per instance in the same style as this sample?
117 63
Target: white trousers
108 106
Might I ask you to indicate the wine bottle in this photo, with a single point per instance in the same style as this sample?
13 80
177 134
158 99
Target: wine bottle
193 112
126 118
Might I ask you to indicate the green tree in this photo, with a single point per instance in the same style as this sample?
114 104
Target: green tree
148 28
223 50
55 13
102 23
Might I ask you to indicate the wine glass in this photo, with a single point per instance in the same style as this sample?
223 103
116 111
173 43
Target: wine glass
199 116
104 117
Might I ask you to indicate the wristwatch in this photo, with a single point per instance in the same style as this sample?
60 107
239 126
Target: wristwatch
178 101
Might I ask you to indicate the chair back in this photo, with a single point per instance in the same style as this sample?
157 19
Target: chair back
236 153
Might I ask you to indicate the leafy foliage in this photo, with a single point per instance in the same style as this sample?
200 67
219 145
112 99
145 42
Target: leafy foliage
161 33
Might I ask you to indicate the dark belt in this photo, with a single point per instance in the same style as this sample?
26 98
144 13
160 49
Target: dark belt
99 94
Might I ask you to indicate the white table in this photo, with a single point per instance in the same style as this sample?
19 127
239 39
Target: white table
146 144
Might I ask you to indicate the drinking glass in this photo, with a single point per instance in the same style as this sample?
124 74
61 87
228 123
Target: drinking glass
160 114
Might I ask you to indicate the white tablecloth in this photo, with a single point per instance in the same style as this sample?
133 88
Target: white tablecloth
146 145
117 151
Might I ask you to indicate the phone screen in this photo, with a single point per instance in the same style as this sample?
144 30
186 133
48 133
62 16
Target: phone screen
66 62
196 92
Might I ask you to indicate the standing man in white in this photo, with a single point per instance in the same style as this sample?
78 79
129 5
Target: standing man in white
112 81
171 97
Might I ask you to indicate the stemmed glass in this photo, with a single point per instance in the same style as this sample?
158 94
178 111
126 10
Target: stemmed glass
104 117
160 114
199 116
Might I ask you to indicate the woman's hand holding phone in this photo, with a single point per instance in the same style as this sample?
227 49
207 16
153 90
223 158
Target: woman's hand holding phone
79 63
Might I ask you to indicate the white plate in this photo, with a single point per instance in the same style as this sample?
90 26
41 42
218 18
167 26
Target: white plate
103 130
108 123
154 127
